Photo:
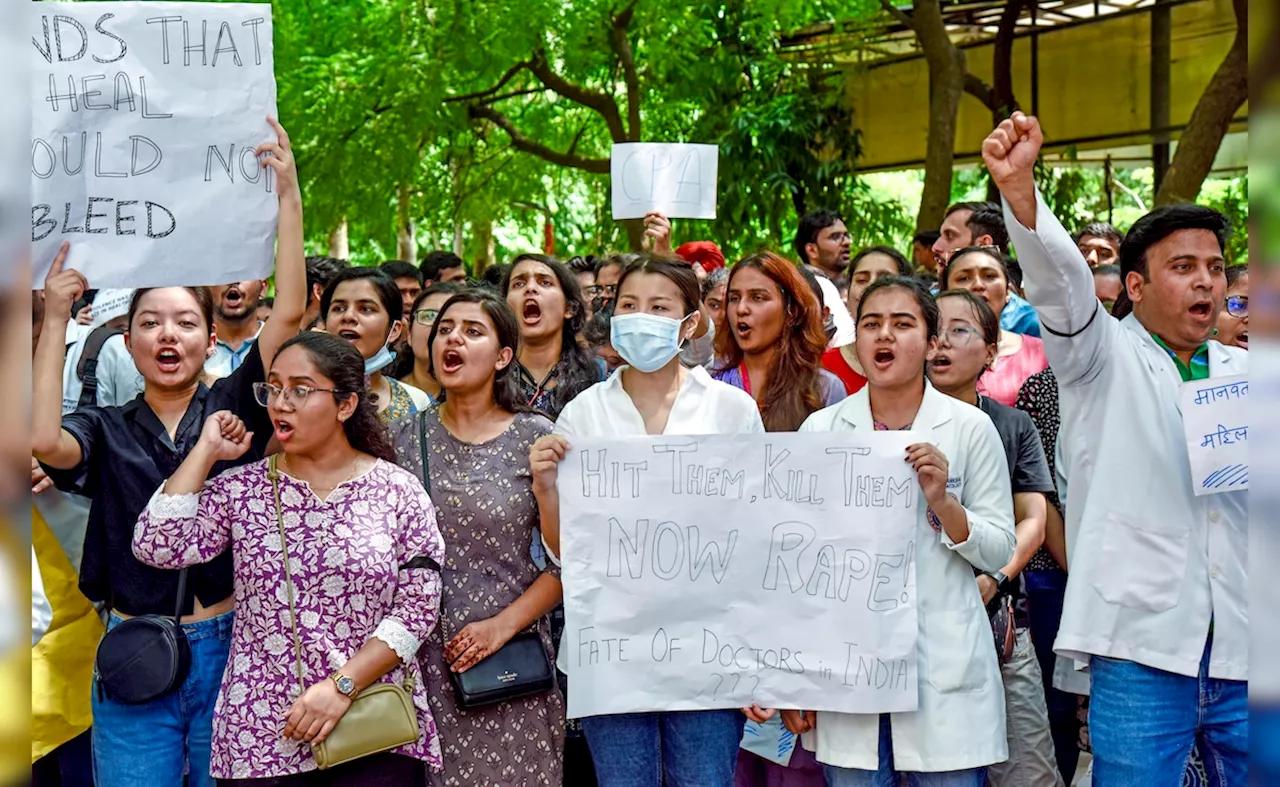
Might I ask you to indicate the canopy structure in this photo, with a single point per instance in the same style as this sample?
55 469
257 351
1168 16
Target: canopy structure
1086 68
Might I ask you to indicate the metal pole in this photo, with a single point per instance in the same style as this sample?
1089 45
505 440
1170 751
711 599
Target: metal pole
1161 56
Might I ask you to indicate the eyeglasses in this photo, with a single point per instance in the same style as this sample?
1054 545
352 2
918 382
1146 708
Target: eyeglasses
425 316
959 335
296 395
595 291
1238 306
990 248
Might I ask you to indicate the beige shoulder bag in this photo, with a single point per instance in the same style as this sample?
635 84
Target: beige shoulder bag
381 717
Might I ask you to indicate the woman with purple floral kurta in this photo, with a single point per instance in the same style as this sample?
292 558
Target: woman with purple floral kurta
362 541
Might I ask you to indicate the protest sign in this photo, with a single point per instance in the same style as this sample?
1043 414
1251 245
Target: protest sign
145 117
676 180
1213 414
720 571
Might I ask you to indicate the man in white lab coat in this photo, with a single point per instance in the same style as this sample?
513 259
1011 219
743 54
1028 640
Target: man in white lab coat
1155 600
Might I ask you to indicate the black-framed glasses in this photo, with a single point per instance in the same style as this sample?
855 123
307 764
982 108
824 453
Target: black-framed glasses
296 395
425 316
1238 305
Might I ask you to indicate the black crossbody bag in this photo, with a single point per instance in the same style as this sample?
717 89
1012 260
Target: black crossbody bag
518 669
144 658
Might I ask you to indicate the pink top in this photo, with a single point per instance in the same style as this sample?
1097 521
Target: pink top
1005 377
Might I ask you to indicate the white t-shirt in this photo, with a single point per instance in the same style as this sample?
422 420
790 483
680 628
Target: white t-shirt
119 381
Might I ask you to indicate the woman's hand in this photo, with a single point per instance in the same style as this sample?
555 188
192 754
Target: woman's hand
314 715
224 437
62 288
657 233
476 642
798 722
40 480
931 469
758 714
281 160
545 456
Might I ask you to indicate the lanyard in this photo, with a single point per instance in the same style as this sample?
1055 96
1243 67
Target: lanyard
746 378
537 391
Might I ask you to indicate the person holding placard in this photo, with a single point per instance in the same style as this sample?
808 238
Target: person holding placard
364 306
657 311
1155 601
966 523
470 453
118 456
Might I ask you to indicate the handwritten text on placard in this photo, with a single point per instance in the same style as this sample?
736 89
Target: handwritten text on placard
676 180
1214 414
145 117
718 571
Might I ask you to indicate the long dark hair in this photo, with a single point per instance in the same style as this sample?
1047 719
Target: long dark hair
576 371
342 363
793 391
506 389
204 299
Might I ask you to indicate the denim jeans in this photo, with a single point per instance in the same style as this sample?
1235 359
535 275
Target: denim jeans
154 744
676 749
1143 723
886 776
1045 591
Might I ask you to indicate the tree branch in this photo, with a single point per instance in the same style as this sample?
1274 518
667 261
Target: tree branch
901 16
598 100
974 86
511 72
521 142
626 57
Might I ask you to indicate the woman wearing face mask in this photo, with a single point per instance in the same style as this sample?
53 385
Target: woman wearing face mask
982 271
422 316
363 306
118 456
1233 320
474 462
969 333
361 588
656 312
966 522
773 342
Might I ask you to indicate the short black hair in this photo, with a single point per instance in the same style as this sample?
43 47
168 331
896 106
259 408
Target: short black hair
622 260
904 267
810 225
928 305
493 276
597 331
1107 270
1100 229
1013 269
437 261
580 264
985 218
450 288
926 237
1163 222
399 269
321 270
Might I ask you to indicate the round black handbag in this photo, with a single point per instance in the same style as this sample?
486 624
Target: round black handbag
144 658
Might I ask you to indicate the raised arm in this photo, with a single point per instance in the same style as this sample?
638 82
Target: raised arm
291 267
1057 278
188 521
50 443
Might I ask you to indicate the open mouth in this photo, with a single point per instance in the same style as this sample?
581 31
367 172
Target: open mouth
742 328
531 312
1243 340
168 360
1201 310
883 358
349 335
451 361
941 363
284 430
233 298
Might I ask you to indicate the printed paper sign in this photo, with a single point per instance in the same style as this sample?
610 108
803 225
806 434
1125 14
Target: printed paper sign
145 117
720 571
1214 415
676 180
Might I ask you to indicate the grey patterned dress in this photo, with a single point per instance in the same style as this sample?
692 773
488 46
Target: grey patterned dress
486 511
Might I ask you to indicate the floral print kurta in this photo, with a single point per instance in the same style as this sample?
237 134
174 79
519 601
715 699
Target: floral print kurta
347 556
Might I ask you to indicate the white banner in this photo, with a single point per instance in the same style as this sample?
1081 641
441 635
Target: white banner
720 571
145 118
1214 414
676 180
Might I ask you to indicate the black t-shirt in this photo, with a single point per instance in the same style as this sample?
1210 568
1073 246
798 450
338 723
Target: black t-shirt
126 454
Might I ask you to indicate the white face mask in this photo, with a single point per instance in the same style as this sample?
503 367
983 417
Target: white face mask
646 342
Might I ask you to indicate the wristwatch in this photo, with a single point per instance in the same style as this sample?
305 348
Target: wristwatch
345 685
1002 582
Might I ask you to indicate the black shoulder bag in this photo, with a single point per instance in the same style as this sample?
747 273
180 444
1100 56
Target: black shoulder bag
144 658
518 669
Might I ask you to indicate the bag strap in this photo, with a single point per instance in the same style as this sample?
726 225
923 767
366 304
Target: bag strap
422 450
87 367
182 596
274 475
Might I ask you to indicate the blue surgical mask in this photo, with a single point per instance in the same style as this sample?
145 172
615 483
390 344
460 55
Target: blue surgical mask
379 361
646 342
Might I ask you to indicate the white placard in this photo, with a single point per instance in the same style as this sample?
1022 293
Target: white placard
676 180
145 117
720 571
1214 413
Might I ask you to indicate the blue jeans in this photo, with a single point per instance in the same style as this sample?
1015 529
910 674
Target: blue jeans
1143 723
1045 592
154 744
886 776
676 749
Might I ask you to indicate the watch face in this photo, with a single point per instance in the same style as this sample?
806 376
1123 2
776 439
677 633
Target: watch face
346 685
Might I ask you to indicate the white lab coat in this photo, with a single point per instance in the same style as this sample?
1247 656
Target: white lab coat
1150 563
960 722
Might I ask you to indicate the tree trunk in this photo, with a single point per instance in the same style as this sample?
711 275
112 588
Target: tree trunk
946 87
635 233
1225 93
339 247
406 235
483 230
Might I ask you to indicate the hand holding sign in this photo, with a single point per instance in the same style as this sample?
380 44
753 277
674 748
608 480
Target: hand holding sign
657 233
545 456
62 288
282 162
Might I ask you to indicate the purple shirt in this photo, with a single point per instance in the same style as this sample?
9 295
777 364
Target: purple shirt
346 555
833 391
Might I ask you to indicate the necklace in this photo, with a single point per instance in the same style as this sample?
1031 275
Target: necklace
354 466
